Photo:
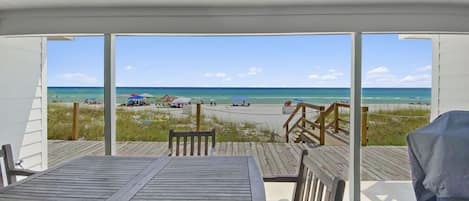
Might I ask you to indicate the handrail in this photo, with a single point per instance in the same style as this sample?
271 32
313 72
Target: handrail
291 115
302 119
301 105
320 122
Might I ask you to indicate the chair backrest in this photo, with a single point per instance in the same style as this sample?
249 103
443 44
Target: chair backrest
191 135
1 170
314 185
9 163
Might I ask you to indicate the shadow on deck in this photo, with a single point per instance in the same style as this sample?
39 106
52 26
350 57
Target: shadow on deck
379 163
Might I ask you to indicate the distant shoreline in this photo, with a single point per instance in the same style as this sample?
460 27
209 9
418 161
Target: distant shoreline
231 95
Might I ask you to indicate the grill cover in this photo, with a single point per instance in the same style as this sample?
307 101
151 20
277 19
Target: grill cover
439 158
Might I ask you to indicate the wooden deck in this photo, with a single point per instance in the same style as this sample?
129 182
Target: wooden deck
379 163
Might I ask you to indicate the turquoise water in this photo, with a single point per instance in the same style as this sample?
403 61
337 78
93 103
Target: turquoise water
255 95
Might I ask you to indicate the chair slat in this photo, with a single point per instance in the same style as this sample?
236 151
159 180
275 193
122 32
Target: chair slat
185 136
328 195
185 146
206 145
308 185
199 142
314 188
192 145
320 191
177 146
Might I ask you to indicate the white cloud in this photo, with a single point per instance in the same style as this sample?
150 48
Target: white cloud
383 77
313 76
377 71
254 70
424 68
218 75
328 77
380 77
77 79
130 67
416 78
228 79
332 74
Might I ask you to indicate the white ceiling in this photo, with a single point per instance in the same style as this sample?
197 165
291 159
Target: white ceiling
29 4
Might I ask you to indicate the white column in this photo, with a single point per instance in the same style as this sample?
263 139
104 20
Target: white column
109 95
355 112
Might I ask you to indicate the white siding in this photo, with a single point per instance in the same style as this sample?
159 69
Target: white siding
451 73
23 120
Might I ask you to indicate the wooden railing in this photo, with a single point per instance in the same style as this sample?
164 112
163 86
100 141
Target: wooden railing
338 120
302 122
321 121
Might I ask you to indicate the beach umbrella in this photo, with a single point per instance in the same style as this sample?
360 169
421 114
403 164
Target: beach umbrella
181 100
239 98
166 98
136 97
146 95
299 100
133 94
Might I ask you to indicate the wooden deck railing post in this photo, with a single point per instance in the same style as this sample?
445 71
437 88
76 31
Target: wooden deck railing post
198 117
76 110
336 118
364 119
322 128
286 133
303 115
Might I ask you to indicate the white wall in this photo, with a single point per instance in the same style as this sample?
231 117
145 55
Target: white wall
23 101
450 84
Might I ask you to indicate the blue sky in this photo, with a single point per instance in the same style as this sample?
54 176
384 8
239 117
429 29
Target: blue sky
242 61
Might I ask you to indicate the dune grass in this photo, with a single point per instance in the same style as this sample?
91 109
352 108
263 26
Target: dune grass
384 127
392 127
132 125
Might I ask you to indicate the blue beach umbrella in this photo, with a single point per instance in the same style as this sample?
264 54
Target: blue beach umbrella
136 97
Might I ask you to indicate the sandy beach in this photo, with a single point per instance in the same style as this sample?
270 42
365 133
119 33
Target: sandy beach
267 116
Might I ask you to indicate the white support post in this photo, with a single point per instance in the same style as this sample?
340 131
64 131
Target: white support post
355 120
109 95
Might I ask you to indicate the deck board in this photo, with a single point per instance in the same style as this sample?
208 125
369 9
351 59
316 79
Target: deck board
378 163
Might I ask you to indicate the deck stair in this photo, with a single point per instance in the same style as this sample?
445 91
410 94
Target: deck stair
321 124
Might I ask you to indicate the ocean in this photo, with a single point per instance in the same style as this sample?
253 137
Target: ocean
254 95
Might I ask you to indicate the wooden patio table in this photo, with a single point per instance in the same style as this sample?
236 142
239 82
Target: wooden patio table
144 178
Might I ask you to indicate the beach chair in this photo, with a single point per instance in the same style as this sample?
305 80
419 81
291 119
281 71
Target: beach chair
312 183
202 138
10 170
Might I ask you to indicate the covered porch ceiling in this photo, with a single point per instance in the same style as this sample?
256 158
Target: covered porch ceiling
231 17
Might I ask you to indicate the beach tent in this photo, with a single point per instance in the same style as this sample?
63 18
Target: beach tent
181 100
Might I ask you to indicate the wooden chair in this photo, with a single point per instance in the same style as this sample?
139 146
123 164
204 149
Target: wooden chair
192 135
10 170
312 184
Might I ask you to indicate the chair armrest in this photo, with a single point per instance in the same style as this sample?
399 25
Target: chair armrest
292 179
22 172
